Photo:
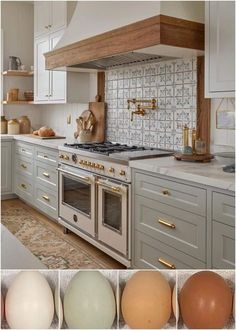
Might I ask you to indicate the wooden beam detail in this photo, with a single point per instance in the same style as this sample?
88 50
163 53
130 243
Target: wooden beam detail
153 31
203 106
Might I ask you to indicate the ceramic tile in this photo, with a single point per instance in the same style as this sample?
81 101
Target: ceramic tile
173 83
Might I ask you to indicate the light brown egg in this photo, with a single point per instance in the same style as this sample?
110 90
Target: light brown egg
146 301
175 304
205 301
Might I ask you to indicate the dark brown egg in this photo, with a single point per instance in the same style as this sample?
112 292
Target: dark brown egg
205 301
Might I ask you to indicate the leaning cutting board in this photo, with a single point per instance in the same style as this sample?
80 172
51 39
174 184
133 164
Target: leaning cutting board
99 111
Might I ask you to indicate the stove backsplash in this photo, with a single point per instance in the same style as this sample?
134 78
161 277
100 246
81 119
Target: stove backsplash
173 83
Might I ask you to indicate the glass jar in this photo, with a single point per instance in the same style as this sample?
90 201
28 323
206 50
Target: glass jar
200 147
3 125
25 125
13 127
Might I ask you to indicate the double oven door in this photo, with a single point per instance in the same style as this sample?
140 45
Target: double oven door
95 205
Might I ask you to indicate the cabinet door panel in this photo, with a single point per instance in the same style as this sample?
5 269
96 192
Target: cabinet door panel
58 15
220 48
41 17
57 78
6 174
41 82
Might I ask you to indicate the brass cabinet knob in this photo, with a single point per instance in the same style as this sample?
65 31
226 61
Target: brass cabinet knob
66 157
23 166
122 172
61 156
111 170
23 186
166 192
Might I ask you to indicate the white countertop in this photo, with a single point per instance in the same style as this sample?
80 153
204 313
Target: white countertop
210 174
53 143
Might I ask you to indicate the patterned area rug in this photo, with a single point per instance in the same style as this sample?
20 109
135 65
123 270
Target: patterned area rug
51 247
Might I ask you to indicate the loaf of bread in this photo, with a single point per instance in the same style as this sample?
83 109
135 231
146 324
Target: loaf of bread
46 131
36 132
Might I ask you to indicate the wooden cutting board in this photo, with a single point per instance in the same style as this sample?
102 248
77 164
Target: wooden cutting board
45 137
99 110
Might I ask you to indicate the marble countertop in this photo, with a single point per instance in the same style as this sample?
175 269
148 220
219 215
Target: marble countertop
210 174
53 143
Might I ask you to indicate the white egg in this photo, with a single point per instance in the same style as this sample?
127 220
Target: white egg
89 302
58 306
175 304
29 302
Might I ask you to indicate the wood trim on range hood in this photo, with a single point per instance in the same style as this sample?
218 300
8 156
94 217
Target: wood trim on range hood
156 30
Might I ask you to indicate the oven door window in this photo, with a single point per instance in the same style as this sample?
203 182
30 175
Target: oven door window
77 194
112 211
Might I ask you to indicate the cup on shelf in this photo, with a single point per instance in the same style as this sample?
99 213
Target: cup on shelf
14 94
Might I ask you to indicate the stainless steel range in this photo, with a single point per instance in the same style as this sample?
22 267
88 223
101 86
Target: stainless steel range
95 193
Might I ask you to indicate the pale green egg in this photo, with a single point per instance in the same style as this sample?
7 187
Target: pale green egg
89 302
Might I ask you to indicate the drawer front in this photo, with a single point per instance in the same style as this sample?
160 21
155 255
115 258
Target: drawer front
24 149
223 248
46 175
46 200
180 229
24 165
223 208
47 156
24 187
182 196
151 253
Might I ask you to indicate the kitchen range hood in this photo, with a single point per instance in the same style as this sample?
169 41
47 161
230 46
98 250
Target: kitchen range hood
105 34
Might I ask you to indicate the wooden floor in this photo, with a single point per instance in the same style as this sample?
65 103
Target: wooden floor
87 247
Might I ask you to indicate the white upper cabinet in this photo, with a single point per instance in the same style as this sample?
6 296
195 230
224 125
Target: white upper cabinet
41 77
219 49
49 16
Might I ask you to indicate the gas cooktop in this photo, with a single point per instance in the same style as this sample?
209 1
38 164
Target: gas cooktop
119 151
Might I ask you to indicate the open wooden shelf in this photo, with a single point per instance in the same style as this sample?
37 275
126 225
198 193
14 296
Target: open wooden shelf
18 73
18 102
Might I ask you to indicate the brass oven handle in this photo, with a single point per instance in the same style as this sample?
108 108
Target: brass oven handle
166 263
46 198
115 189
166 192
23 166
85 178
23 186
46 174
166 223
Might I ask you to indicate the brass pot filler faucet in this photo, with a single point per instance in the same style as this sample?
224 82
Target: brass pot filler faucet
141 109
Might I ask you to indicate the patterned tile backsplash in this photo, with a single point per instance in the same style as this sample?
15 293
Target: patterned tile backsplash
173 83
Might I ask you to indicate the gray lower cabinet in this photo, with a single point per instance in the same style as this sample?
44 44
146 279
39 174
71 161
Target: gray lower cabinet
175 224
223 231
36 179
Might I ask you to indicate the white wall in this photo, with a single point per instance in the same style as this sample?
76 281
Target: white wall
17 23
221 139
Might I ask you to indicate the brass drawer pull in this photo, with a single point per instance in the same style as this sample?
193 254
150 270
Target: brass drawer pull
46 198
166 263
45 156
23 166
167 224
23 186
46 174
166 192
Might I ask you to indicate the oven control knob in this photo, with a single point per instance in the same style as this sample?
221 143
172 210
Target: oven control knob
61 156
93 165
74 158
111 170
66 157
96 166
101 167
122 172
90 164
81 162
75 218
